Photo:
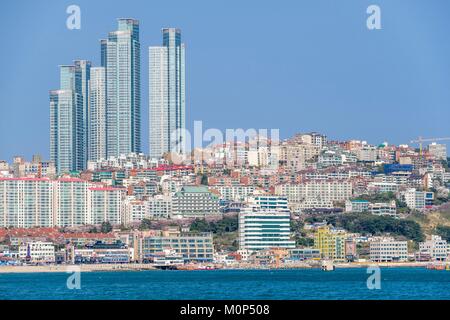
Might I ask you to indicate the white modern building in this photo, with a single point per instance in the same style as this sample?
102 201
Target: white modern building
388 250
66 202
436 248
322 191
26 202
43 252
97 115
418 200
438 151
159 206
234 192
262 229
269 202
105 204
66 130
167 94
121 57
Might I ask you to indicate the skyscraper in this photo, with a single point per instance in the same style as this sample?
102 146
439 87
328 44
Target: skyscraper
69 117
167 94
122 54
97 115
66 130
83 68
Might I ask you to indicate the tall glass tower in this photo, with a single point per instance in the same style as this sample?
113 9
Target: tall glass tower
83 68
167 94
66 130
97 115
121 57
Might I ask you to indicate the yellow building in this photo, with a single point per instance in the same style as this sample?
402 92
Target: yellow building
331 243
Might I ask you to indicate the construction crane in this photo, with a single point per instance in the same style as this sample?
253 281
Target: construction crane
421 140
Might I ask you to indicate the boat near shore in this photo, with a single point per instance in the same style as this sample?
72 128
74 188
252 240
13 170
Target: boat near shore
438 266
191 267
328 265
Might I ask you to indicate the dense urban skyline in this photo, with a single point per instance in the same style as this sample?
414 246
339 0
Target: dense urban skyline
341 48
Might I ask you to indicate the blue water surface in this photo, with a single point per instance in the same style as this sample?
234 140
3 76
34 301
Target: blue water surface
396 283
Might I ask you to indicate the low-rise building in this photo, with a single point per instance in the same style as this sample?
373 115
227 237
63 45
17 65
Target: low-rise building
330 243
101 252
356 206
195 201
195 247
418 200
436 248
383 208
37 252
298 254
388 250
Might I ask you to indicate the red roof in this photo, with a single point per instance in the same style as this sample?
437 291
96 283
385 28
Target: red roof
107 189
170 168
25 179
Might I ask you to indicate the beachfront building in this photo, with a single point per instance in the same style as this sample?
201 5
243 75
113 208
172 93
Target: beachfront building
436 248
37 251
299 254
263 229
194 247
330 243
388 250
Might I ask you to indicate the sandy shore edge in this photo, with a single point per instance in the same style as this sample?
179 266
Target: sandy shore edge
142 267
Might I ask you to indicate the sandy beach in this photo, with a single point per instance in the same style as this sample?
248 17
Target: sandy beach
141 267
73 268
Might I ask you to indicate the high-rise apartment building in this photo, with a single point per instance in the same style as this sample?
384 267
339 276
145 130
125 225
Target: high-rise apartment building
120 54
97 115
83 68
66 130
167 94
26 202
69 108
65 202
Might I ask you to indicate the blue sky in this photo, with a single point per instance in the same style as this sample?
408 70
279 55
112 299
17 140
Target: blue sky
293 65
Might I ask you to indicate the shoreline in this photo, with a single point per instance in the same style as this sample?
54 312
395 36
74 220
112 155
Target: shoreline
147 267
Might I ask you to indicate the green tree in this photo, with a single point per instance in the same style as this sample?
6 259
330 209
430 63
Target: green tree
443 231
93 230
106 227
204 180
146 224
